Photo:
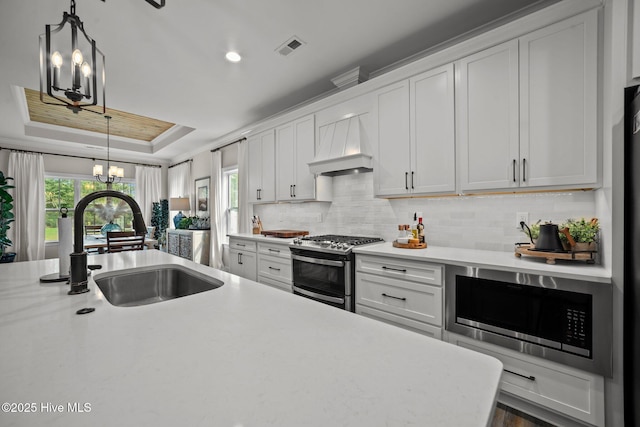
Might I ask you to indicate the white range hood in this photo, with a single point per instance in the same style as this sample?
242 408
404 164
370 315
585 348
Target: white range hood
342 149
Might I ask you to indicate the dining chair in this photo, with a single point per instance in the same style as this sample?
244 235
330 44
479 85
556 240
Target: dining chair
120 241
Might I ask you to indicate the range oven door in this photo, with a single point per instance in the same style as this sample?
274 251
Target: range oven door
323 277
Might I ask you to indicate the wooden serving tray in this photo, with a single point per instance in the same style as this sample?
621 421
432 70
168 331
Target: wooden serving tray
284 234
551 257
409 245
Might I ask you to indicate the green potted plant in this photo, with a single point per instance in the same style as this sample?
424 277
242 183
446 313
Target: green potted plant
6 218
583 232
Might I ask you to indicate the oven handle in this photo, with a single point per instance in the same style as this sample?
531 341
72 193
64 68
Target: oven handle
318 296
320 261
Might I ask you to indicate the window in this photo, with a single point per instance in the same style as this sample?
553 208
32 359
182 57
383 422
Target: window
230 201
66 192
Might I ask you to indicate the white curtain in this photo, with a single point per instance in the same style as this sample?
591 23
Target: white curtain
216 210
27 232
148 189
244 208
180 185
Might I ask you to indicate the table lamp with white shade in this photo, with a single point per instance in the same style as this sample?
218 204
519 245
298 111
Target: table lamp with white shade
179 204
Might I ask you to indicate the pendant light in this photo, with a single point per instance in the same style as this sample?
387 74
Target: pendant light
71 66
113 172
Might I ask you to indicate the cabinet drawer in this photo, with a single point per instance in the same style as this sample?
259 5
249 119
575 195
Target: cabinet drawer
274 268
569 391
243 245
274 249
415 301
275 284
415 271
403 322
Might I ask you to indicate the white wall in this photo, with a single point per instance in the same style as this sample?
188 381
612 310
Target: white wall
477 222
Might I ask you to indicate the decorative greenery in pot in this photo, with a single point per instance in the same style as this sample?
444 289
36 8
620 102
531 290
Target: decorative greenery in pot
585 233
534 229
160 219
6 218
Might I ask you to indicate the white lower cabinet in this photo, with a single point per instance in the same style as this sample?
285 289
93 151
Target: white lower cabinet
555 387
265 262
274 265
242 258
400 292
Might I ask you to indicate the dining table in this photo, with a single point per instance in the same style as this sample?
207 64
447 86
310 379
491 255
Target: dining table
99 242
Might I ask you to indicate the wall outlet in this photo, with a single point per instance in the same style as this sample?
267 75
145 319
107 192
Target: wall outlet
319 217
522 216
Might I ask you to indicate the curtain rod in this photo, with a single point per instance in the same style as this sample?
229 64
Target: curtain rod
177 164
78 157
226 145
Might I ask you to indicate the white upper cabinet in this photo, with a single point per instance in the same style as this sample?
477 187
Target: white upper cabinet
558 108
390 140
526 110
433 132
487 118
414 135
295 148
262 167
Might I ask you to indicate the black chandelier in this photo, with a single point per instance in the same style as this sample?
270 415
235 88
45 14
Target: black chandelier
71 66
113 172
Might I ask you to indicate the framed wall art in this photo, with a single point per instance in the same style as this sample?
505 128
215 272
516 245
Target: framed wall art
202 196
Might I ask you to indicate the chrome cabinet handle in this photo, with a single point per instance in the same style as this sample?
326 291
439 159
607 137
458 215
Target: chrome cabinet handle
402 270
412 187
406 182
241 244
524 169
274 250
391 296
259 196
514 170
290 190
294 190
239 257
527 377
273 268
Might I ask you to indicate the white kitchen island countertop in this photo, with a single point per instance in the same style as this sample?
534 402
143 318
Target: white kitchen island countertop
505 261
244 354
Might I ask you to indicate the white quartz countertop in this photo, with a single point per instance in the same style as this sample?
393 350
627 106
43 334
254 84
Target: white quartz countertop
244 354
505 261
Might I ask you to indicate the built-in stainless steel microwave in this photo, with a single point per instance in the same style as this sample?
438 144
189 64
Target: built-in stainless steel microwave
564 320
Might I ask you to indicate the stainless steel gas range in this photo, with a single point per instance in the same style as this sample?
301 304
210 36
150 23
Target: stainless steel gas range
323 268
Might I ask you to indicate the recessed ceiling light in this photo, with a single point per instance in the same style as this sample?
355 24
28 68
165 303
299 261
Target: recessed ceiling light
233 56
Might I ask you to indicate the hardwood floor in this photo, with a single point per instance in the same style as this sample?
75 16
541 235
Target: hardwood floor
509 417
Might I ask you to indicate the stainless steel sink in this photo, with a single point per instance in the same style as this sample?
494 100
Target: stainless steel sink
148 285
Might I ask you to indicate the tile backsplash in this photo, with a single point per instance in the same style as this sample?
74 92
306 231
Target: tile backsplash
476 222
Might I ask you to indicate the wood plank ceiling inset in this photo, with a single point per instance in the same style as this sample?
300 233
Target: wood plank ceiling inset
122 124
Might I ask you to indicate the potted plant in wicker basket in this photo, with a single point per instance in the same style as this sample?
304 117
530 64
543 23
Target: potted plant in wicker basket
6 218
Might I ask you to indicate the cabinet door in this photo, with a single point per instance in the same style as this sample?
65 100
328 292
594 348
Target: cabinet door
390 137
285 158
262 168
173 243
487 118
255 168
186 246
558 116
243 264
305 182
432 132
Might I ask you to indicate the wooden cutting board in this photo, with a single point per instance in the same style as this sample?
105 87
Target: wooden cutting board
284 234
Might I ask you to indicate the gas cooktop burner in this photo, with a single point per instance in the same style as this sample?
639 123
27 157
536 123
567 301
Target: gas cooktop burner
334 242
349 240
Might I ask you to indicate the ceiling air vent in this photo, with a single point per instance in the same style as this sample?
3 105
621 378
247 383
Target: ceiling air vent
289 46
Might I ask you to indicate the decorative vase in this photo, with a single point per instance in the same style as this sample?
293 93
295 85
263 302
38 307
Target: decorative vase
109 227
7 257
177 218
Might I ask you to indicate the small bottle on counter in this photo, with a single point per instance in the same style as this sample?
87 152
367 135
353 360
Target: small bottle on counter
420 228
414 226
